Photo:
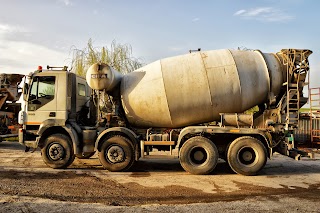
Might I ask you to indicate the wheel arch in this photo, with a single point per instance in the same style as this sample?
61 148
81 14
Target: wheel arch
123 131
67 130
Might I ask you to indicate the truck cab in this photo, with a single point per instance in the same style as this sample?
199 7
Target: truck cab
52 109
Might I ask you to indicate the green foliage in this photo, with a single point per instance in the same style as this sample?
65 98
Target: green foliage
252 110
119 56
49 90
304 110
11 139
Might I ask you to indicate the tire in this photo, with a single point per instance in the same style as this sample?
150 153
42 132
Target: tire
85 156
116 154
57 151
4 130
198 155
247 155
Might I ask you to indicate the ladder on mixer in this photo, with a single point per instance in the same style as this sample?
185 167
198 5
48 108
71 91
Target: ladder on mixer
314 95
295 69
297 65
293 105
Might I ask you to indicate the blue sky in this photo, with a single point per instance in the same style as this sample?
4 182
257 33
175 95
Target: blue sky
41 32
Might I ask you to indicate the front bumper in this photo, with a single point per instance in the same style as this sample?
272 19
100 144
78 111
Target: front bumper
28 143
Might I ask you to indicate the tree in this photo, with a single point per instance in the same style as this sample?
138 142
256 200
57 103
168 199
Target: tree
119 56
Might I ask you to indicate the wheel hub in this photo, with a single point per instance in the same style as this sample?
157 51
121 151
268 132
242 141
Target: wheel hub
198 155
56 152
247 155
115 154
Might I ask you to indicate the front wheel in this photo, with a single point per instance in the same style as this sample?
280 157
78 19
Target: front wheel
247 155
116 154
57 151
199 156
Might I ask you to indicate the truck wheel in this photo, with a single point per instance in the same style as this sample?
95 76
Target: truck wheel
198 155
4 130
247 155
116 154
85 156
57 151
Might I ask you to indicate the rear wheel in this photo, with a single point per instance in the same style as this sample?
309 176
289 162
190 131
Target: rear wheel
247 155
198 155
57 151
116 154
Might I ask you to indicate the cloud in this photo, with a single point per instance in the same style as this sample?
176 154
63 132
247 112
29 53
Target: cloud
267 14
195 19
239 12
6 29
175 49
19 54
66 2
24 57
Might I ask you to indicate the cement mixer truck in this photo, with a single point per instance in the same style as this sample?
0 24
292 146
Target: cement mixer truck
193 107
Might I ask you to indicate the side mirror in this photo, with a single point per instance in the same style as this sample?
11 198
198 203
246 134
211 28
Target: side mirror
25 91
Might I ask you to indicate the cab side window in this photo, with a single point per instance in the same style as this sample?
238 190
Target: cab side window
42 91
81 89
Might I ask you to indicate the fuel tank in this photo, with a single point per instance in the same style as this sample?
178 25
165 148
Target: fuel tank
194 88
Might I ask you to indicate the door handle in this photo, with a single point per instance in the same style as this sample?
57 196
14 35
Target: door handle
52 114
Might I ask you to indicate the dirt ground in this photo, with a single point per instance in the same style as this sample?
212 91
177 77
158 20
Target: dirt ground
28 185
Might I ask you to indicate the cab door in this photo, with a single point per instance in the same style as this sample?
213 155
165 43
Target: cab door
42 101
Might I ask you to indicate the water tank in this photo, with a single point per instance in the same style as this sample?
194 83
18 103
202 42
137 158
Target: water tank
102 76
196 87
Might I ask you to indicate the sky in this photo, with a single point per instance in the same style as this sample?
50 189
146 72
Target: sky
44 32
